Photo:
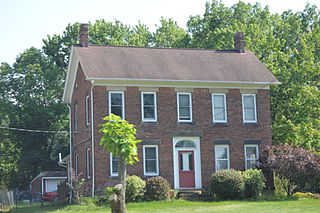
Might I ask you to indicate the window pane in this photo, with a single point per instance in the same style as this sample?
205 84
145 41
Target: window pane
150 153
149 113
151 166
249 114
117 110
116 99
248 101
251 152
251 164
184 100
222 164
115 165
148 99
221 152
184 112
219 114
218 100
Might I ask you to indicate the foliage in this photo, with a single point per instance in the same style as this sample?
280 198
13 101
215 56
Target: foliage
294 166
157 188
227 184
119 138
307 195
254 182
135 188
79 189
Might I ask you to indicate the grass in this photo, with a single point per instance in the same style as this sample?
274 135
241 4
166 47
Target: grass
181 206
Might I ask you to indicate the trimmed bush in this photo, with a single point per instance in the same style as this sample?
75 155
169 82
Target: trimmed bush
157 188
254 182
227 184
135 188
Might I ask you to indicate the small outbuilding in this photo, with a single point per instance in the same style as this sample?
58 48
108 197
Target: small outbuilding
47 181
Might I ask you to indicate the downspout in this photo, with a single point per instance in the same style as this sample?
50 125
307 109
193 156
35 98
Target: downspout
70 158
92 140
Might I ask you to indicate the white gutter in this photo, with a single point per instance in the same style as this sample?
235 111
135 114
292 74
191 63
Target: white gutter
92 140
70 156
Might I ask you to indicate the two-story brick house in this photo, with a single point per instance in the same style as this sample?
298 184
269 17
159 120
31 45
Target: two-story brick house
196 111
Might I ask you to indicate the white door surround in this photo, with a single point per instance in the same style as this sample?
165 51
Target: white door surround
197 159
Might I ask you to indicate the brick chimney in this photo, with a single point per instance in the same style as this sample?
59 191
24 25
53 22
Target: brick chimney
84 42
239 43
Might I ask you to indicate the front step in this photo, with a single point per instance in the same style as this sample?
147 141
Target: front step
193 195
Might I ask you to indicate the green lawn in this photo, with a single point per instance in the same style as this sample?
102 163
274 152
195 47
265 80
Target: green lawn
288 206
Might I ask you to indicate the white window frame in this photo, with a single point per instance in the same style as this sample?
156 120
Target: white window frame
225 108
255 108
216 159
245 153
113 174
122 95
155 107
88 156
190 106
76 118
87 110
76 165
144 161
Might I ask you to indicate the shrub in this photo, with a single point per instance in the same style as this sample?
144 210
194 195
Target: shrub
157 188
135 188
254 182
227 184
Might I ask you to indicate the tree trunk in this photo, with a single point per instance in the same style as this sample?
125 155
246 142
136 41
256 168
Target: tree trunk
122 177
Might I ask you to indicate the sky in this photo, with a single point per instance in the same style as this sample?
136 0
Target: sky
24 23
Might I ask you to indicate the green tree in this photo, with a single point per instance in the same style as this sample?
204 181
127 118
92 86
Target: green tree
119 138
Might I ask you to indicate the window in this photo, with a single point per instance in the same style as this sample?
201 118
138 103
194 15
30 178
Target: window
114 162
222 157
116 103
88 163
149 106
150 160
252 155
219 108
87 110
184 107
69 172
249 108
75 118
76 165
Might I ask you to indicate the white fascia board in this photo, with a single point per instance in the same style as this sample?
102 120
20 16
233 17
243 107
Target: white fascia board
182 84
71 77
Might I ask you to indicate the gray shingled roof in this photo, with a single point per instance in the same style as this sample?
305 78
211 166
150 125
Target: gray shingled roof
110 62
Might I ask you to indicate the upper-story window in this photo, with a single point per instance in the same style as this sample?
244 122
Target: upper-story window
184 106
222 159
219 108
116 103
75 117
249 110
252 155
149 106
88 160
87 110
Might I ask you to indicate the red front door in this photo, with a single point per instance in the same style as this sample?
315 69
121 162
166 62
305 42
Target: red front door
186 169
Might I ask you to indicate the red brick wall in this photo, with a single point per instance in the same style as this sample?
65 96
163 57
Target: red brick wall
36 186
234 130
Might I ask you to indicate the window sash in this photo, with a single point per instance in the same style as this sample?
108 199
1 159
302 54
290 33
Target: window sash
219 160
249 111
152 107
150 165
114 165
76 165
88 163
113 108
76 117
184 111
87 110
219 109
250 162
